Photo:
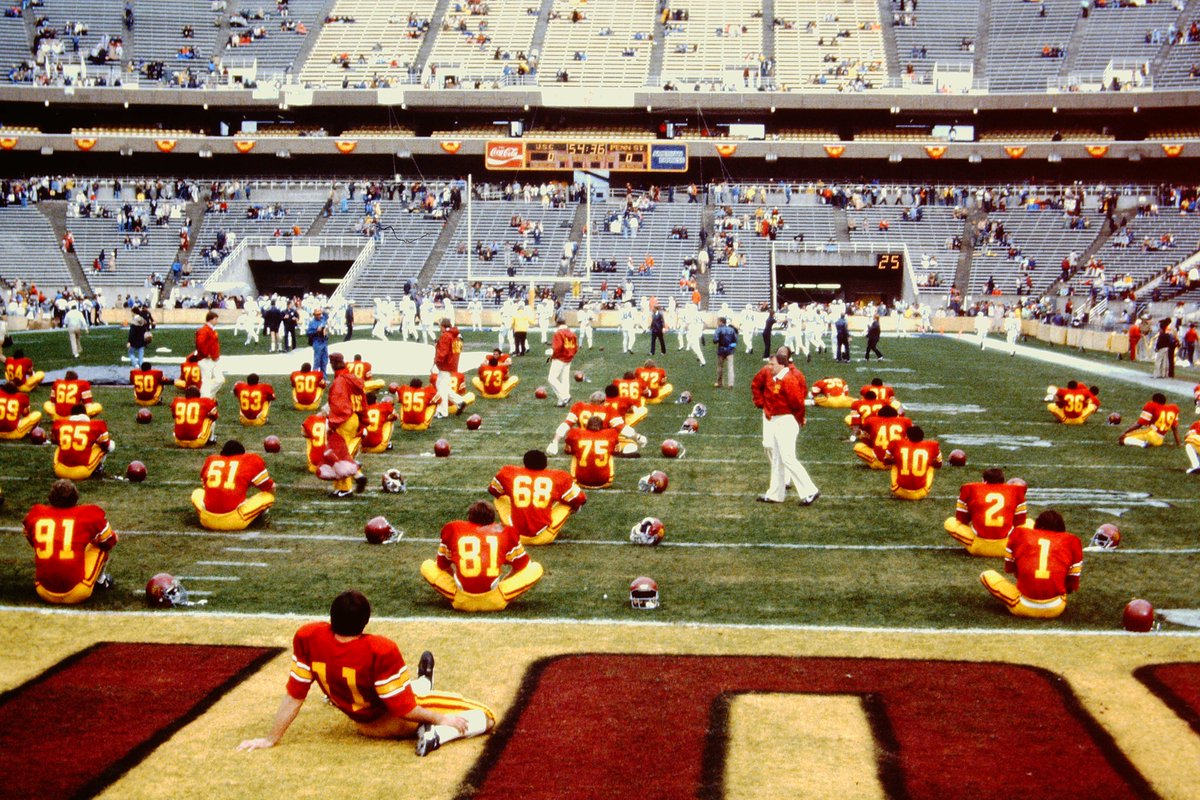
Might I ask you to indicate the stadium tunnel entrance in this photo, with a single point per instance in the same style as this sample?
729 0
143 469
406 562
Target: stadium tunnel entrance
293 279
815 276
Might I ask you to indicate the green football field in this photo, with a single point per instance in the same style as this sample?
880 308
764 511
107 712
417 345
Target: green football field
855 558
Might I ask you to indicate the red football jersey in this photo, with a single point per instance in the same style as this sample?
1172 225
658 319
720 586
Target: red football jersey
533 492
189 414
1162 417
581 412
913 463
830 387
252 400
991 509
364 678
13 407
1193 429
620 406
479 553
75 439
360 368
883 393
59 536
376 415
879 432
189 373
307 386
861 410
632 389
315 430
18 370
1073 402
413 403
226 480
592 455
65 394
492 378
652 379
146 383
564 345
1047 563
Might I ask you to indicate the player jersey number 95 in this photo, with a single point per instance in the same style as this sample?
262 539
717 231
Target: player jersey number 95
527 491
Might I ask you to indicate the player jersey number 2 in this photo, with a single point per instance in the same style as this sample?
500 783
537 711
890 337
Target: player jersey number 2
527 491
993 515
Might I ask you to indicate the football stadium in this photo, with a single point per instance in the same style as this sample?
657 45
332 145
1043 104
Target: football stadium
756 399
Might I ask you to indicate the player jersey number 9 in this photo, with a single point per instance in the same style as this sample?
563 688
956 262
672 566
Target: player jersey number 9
319 429
527 491
66 393
12 410
45 533
473 560
187 413
220 474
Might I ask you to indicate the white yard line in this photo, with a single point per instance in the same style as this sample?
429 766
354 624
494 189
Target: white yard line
255 564
221 578
257 549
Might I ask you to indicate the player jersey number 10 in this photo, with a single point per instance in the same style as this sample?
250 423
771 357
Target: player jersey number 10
914 462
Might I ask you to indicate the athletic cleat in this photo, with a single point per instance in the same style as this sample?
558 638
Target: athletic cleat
427 740
762 498
339 493
425 667
1194 471
105 581
360 483
812 498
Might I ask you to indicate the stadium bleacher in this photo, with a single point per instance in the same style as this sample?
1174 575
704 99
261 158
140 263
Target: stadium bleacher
26 231
588 42
364 42
824 49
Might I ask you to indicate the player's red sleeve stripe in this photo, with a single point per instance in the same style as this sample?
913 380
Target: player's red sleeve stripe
260 478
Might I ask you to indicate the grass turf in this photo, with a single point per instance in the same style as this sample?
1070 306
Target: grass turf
726 558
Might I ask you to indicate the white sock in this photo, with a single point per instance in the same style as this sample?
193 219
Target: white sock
421 686
476 724
1192 455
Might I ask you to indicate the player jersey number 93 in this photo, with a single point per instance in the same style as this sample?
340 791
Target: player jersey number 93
527 491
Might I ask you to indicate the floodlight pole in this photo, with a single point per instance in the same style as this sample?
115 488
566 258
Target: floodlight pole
470 203
587 229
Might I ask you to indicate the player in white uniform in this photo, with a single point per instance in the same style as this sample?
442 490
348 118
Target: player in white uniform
429 320
545 314
628 328
1012 329
692 321
587 318
475 311
448 310
983 323
504 338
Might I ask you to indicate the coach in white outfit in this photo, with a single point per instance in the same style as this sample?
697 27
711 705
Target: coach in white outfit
779 389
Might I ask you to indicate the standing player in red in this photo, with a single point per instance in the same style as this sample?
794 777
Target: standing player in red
363 370
254 401
377 429
208 348
307 387
1157 417
535 500
189 373
67 392
593 449
16 420
346 405
19 369
316 436
417 405
147 384
222 502
71 545
445 364
596 406
654 380
1047 562
779 392
831 393
492 379
195 419
83 444
365 677
879 431
471 559
914 462
987 513
1073 404
562 352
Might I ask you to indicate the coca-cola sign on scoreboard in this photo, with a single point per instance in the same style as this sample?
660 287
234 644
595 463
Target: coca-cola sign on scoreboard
505 155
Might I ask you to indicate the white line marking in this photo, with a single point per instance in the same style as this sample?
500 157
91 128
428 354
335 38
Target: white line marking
198 593
222 578
258 564
257 549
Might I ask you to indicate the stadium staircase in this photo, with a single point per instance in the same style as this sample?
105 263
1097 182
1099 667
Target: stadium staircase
966 251
1092 249
310 40
891 51
841 225
539 29
1075 46
435 26
981 47
445 238
768 38
317 225
55 212
658 51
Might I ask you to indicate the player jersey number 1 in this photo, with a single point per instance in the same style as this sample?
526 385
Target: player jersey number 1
350 676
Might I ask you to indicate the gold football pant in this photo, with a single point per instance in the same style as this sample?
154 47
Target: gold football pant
636 415
507 590
664 392
206 433
92 409
385 438
510 383
1061 415
559 512
313 406
32 382
258 421
911 494
1019 605
81 473
237 520
153 401
24 425
975 544
866 453
841 401
423 425
1144 437
449 703
94 560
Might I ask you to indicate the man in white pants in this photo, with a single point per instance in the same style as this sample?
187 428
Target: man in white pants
983 324
628 327
778 389
692 320
208 347
587 318
1012 329
562 351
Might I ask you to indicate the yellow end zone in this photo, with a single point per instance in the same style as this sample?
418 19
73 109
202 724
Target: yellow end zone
487 660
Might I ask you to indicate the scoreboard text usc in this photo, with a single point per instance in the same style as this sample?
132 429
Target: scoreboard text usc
566 155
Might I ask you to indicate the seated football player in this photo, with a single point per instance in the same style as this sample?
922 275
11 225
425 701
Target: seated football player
71 545
879 389
831 393
194 419
82 445
535 500
189 373
913 461
1074 403
377 430
67 392
316 432
629 440
654 382
471 558
418 403
18 369
16 420
492 380
307 388
630 389
1191 445
879 431
363 370
147 384
458 386
1047 562
593 449
254 401
861 410
986 514
1157 418
222 501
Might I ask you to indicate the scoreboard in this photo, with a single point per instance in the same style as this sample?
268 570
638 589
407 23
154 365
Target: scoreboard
617 156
